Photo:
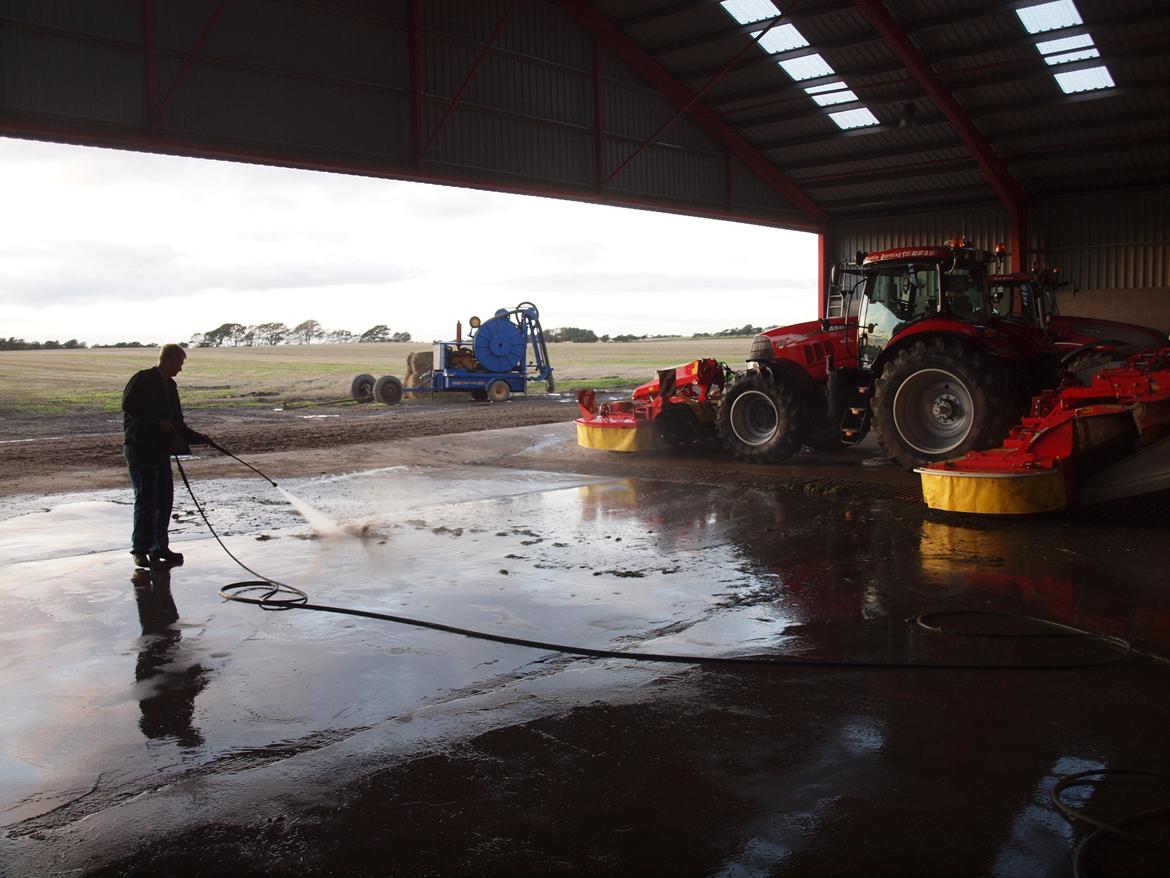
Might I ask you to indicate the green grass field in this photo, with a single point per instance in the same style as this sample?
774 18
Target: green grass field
61 382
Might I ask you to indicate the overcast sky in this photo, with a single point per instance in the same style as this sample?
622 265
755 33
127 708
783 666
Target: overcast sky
105 246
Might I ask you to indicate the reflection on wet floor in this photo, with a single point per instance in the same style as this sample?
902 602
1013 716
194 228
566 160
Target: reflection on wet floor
167 680
147 741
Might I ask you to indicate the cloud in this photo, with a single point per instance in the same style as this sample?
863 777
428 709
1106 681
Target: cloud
620 283
88 272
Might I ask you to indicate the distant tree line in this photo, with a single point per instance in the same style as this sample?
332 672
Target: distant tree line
19 344
306 332
572 333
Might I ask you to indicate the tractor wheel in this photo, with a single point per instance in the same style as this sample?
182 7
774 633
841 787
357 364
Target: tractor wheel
388 390
760 420
935 400
362 388
498 390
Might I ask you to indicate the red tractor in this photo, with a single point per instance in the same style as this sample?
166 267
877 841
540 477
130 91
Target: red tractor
1082 342
917 353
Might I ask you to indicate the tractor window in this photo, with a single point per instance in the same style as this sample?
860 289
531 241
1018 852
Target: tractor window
963 293
1007 300
908 291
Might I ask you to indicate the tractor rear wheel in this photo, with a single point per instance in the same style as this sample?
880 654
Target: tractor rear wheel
936 400
760 420
362 388
498 390
388 390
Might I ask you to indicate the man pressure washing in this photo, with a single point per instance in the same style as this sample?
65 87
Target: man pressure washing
152 419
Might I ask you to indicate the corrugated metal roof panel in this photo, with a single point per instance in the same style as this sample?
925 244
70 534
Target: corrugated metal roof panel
97 81
116 19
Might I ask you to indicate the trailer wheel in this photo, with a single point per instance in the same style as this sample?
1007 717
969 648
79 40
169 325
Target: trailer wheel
760 420
388 390
362 388
498 390
935 400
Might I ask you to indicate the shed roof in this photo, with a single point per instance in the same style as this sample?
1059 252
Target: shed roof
796 113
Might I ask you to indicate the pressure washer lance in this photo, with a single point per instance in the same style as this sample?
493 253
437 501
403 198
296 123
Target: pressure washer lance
223 450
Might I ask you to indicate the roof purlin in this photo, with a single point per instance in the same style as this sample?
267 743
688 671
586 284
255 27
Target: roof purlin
994 169
593 21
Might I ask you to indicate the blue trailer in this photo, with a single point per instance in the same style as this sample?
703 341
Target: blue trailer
498 358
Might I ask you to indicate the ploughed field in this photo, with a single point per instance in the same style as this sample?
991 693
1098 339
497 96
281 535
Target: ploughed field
60 411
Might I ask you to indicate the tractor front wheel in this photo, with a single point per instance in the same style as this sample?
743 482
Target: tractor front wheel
935 400
760 420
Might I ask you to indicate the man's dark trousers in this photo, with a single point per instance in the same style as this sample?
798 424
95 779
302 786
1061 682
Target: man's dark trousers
154 497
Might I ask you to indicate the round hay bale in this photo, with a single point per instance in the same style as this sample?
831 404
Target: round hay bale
420 361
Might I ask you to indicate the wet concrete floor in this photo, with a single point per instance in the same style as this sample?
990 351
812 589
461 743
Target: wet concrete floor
149 728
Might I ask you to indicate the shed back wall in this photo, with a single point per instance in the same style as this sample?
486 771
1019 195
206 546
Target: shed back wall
1114 247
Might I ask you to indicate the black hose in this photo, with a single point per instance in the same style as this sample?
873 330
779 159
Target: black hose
223 450
280 596
1103 828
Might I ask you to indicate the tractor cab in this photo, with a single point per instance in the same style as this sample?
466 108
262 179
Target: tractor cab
911 284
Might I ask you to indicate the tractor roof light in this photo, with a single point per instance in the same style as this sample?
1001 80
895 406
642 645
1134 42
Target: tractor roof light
957 243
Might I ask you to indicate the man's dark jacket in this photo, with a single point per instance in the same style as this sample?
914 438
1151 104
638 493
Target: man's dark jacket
148 400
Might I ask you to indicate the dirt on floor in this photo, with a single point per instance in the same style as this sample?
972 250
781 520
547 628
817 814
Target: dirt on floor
59 452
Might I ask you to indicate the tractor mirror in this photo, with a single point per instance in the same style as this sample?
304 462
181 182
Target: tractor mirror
835 274
474 322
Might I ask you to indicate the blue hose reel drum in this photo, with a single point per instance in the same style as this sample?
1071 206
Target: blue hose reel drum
500 344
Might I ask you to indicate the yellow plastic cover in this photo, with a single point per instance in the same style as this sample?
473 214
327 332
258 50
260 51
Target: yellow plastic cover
994 495
640 438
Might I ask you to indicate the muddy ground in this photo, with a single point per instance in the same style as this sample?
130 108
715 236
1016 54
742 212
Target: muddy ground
81 451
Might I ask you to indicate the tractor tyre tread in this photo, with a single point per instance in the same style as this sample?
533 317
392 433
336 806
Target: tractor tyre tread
789 414
996 401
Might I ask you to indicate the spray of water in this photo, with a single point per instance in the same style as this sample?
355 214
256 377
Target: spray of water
319 521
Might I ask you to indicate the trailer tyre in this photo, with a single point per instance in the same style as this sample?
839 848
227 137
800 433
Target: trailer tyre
362 388
388 390
498 390
760 420
935 400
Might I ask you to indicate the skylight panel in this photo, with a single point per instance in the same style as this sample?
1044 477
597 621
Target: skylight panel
861 118
782 38
827 99
1066 44
1080 55
1084 80
747 11
808 67
821 89
1049 16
